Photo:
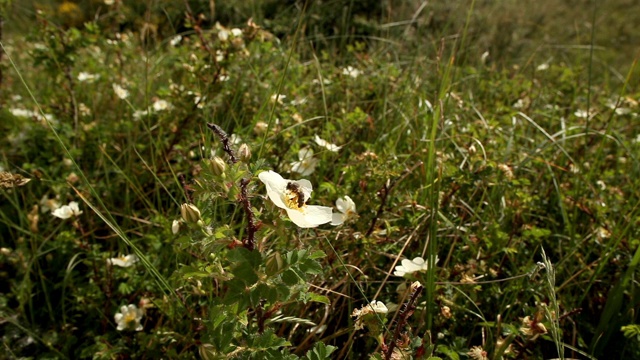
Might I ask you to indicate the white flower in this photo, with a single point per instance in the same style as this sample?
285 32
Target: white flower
121 92
17 112
411 266
175 227
347 209
161 105
87 77
307 163
47 204
109 2
67 211
175 40
138 114
223 35
129 318
292 196
351 71
278 98
236 32
379 307
543 67
123 261
325 144
364 314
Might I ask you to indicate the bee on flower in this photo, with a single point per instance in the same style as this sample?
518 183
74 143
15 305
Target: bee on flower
292 196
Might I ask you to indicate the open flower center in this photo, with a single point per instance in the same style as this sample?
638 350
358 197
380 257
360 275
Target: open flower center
293 196
130 318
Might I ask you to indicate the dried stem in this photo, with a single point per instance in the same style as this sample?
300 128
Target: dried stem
405 311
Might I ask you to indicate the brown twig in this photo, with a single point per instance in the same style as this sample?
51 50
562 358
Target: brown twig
252 227
225 141
250 241
405 311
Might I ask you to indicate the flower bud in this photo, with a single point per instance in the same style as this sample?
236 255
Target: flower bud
175 227
190 213
244 153
218 166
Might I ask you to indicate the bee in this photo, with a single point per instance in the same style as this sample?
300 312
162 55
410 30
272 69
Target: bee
296 195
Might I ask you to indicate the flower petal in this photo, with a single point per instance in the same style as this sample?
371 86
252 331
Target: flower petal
345 205
310 216
337 219
276 185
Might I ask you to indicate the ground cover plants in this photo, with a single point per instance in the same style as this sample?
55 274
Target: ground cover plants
318 180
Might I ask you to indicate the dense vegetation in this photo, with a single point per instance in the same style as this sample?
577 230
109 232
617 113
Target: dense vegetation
480 160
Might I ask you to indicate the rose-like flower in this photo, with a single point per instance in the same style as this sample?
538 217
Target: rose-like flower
67 211
307 164
292 196
325 144
129 318
123 261
347 209
411 266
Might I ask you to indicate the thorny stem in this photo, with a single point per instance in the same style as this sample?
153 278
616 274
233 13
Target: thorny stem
250 242
225 141
405 311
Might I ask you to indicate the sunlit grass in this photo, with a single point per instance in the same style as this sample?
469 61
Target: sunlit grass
478 160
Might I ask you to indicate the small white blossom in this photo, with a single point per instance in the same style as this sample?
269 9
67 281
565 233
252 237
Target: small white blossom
307 163
129 318
87 77
175 40
543 67
351 71
325 144
138 114
161 105
292 196
347 209
47 204
123 261
581 114
278 98
121 92
67 211
411 266
236 32
365 313
109 2
223 35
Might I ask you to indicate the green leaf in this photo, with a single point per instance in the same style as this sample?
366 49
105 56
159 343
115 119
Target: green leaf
320 351
290 278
